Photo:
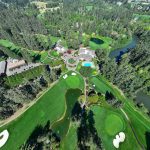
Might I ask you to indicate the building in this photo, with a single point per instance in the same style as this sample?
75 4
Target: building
15 63
15 66
3 65
86 54
59 48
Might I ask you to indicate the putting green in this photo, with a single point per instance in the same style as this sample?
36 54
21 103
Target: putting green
72 81
113 124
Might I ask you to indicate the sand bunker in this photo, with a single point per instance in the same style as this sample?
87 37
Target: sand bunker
3 137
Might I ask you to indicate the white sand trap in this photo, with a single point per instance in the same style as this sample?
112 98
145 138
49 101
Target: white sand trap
122 136
73 74
119 138
65 76
3 137
116 143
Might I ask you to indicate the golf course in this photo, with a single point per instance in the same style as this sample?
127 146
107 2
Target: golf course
136 123
51 107
56 105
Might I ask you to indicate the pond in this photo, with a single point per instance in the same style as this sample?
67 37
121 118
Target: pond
143 98
119 52
97 41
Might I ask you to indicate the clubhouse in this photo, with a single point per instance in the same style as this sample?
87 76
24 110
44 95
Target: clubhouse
3 65
86 54
15 66
59 48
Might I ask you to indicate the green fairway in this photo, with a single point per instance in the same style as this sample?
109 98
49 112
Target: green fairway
139 121
113 124
100 85
50 106
71 137
61 127
72 81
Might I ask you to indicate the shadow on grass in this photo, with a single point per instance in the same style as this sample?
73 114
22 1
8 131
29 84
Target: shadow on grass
42 137
147 136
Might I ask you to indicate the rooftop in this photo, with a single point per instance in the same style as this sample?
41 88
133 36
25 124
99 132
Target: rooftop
2 67
15 63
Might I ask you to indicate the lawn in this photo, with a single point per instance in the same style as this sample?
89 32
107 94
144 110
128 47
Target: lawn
108 123
106 45
139 121
6 43
11 49
50 106
54 53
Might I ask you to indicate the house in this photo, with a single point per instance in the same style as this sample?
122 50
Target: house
15 66
59 48
15 63
86 54
3 65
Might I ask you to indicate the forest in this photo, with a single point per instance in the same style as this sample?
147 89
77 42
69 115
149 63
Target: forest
27 31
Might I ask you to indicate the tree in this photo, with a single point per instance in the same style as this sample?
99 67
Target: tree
86 71
42 138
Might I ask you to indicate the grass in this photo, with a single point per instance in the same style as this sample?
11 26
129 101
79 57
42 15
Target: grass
121 43
105 45
54 53
71 61
143 17
17 79
89 7
100 86
61 127
54 63
93 45
106 123
72 81
70 141
6 43
139 121
113 124
50 106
